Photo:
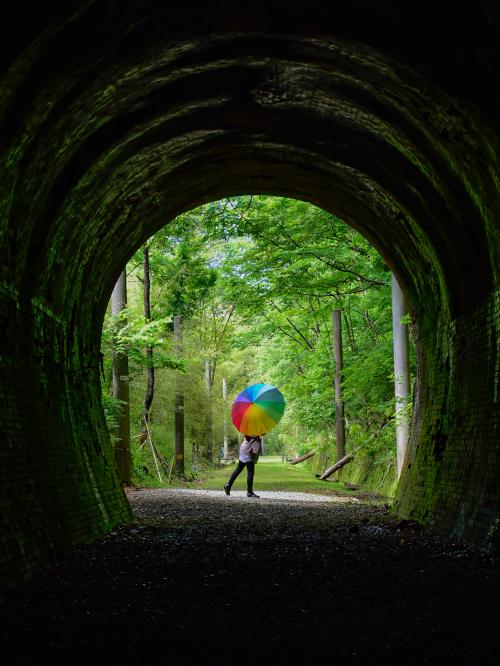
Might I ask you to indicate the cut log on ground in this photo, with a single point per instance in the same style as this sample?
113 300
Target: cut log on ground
343 461
301 458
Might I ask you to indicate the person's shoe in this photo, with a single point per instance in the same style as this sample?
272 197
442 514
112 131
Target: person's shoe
227 489
252 494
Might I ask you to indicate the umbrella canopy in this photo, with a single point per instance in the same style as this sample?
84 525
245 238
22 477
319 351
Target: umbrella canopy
257 409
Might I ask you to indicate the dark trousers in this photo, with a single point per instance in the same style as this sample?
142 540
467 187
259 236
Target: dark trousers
250 472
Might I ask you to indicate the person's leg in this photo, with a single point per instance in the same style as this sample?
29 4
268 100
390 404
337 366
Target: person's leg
250 474
234 475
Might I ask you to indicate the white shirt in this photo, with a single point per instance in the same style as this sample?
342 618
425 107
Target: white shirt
249 446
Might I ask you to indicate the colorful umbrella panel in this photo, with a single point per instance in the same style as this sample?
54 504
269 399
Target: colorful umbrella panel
257 409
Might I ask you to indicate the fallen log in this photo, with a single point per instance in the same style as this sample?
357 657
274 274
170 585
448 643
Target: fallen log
340 463
301 458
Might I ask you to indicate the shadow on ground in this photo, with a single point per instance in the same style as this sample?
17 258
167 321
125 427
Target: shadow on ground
202 578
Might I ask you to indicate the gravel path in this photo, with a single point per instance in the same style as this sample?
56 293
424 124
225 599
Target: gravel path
264 495
201 578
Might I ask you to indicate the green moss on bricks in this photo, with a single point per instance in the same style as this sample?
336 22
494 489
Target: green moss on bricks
103 146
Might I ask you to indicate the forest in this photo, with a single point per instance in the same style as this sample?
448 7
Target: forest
245 290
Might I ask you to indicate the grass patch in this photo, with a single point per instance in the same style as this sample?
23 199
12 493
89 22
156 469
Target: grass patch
268 476
272 474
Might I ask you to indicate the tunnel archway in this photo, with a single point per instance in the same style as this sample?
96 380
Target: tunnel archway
106 139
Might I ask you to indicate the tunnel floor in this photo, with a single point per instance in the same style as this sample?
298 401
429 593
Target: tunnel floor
204 578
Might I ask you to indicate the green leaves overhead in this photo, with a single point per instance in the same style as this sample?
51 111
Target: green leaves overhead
256 279
128 334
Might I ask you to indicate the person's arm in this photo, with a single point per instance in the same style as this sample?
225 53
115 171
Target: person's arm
255 448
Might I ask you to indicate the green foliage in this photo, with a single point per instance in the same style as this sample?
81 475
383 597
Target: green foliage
111 406
127 333
180 266
256 280
272 475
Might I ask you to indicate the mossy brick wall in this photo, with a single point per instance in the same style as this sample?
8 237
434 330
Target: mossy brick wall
59 484
113 122
452 483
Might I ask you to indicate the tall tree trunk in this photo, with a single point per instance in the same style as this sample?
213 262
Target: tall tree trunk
401 371
179 403
123 456
150 387
339 404
226 433
208 422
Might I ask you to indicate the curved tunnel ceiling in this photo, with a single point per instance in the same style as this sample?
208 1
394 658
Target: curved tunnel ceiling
116 126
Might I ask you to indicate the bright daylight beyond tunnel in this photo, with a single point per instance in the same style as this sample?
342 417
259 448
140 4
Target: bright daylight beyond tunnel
256 289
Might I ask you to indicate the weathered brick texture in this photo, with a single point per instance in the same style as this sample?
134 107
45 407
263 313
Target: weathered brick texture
451 477
59 485
113 122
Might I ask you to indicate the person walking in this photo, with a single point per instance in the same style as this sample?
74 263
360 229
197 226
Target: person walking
250 450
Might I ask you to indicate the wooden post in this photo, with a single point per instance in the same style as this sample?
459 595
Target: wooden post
179 404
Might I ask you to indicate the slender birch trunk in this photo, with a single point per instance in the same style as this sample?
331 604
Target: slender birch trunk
401 371
123 456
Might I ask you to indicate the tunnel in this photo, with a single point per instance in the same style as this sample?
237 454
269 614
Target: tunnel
117 117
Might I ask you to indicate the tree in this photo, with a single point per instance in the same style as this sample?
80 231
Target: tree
401 370
179 404
209 435
121 389
246 288
339 404
187 281
148 398
214 327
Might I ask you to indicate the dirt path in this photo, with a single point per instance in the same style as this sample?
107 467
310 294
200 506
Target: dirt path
202 578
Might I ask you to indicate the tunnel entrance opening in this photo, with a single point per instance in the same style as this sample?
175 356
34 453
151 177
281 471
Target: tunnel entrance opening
240 291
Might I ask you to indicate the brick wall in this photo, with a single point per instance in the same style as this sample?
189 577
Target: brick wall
58 484
100 147
451 478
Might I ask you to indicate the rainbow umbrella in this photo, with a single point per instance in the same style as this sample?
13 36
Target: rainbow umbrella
257 409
